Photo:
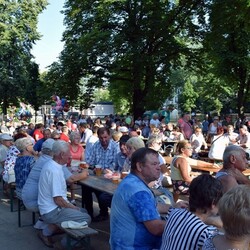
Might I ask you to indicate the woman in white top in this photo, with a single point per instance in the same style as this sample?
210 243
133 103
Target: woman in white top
218 145
197 140
212 129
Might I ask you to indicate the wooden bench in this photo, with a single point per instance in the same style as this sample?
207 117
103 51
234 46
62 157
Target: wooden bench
79 235
20 205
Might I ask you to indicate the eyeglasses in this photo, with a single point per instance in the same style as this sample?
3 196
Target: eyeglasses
56 138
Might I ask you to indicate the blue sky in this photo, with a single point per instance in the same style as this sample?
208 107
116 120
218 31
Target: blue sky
50 26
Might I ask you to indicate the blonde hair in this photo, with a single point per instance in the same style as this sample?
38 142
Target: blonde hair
234 210
180 145
116 135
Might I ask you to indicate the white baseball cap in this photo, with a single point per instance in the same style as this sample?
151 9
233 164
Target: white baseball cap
6 137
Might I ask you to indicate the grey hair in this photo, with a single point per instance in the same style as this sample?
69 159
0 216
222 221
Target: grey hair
135 142
47 151
73 135
153 138
60 146
23 143
231 150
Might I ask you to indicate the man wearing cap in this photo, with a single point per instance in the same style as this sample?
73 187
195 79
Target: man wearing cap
123 130
5 142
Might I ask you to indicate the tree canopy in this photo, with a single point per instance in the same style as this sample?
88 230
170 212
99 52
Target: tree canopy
18 33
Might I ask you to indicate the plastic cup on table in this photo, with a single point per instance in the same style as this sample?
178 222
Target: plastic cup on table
124 174
83 165
98 170
115 179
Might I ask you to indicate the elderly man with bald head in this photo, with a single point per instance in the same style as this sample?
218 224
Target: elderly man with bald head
234 163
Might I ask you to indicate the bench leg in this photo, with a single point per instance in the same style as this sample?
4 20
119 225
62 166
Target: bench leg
68 242
11 199
33 218
19 212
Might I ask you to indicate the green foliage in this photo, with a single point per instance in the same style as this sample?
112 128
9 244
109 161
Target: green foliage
130 45
228 46
18 22
188 97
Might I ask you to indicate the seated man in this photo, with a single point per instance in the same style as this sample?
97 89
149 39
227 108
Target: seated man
122 155
103 153
234 163
135 215
30 188
52 194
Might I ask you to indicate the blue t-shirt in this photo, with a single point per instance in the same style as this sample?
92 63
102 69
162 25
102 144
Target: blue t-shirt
133 203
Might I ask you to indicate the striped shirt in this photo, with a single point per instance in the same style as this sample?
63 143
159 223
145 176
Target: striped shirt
184 231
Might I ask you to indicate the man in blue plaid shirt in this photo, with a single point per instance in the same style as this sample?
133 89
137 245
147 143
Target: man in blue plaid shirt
103 153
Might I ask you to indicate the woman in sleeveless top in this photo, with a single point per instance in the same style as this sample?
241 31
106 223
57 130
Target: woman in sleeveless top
76 149
180 169
212 130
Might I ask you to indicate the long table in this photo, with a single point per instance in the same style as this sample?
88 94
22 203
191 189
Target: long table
102 184
197 165
99 183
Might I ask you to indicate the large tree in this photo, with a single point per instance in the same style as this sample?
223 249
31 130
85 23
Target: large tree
228 47
18 33
131 45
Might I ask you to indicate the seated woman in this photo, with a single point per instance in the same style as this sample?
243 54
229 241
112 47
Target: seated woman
132 145
197 140
218 145
234 210
76 149
77 154
181 169
176 134
213 127
186 229
24 162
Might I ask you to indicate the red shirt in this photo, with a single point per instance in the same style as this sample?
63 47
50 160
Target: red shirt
37 134
64 137
77 155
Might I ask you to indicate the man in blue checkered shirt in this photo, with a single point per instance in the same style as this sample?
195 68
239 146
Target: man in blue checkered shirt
103 153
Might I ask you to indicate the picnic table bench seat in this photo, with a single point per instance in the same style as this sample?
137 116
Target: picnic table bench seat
80 235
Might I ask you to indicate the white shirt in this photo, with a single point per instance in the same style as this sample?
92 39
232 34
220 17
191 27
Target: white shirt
90 143
51 184
155 122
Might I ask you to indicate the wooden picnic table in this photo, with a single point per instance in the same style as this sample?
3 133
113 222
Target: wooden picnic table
102 184
99 183
199 165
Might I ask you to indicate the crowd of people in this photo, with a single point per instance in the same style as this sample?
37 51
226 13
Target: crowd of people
39 158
